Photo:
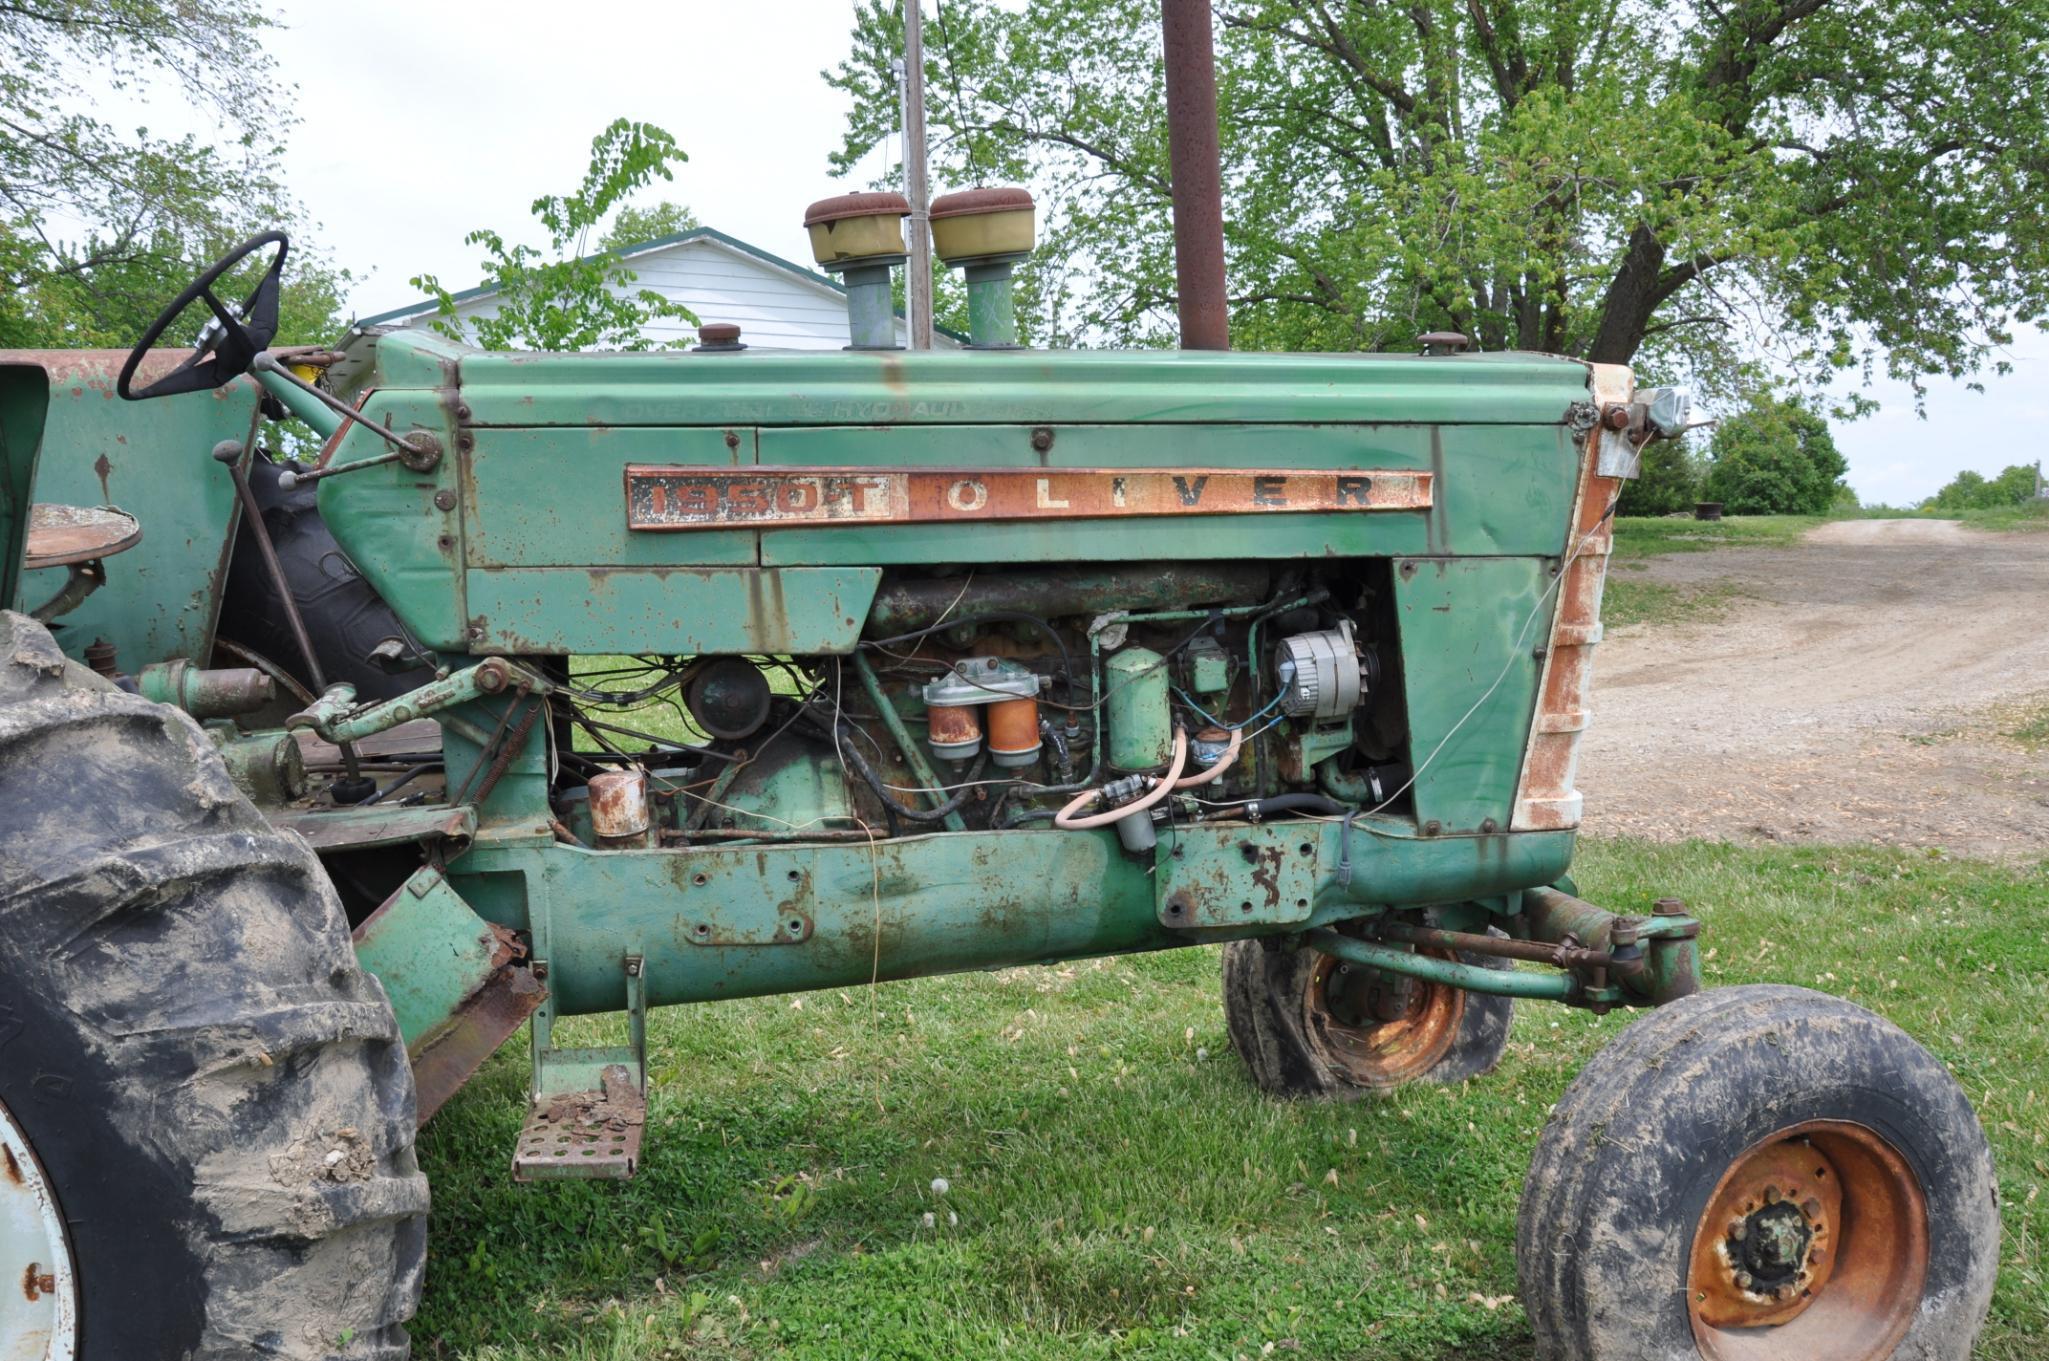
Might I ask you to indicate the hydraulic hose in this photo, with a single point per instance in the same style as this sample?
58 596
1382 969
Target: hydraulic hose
1066 817
1296 803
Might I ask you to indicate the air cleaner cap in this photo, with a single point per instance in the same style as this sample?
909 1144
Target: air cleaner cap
983 224
853 227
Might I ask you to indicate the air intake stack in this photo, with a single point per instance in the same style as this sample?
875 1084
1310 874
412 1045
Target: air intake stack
984 233
859 237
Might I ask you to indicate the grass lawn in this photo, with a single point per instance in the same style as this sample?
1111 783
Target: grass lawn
1117 1188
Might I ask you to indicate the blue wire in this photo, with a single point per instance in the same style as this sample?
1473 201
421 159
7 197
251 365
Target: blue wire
1215 722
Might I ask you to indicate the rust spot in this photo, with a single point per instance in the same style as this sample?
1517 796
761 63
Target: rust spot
36 1283
1266 871
11 1167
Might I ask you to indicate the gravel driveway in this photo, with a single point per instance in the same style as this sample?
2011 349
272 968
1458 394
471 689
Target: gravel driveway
1857 691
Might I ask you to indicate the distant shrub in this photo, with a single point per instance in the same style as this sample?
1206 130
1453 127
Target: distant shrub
1776 457
1974 491
1667 481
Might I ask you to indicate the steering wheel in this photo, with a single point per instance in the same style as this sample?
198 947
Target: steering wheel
229 342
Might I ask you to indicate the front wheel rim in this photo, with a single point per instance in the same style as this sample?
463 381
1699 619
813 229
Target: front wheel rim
1386 1047
1813 1245
39 1321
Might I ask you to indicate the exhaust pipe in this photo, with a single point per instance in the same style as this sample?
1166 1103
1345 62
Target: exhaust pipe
1194 157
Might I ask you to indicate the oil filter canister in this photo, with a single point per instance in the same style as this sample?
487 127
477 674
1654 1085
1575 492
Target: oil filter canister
1014 732
954 730
954 704
619 807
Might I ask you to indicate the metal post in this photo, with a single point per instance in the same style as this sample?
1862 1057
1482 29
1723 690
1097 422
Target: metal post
918 274
1194 156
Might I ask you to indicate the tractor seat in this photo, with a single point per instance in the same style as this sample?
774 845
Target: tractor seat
63 536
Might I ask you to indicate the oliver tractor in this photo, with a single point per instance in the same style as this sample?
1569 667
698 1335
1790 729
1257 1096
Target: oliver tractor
324 779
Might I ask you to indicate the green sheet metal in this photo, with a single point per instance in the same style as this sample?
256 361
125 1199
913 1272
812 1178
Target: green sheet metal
430 951
714 923
675 610
1470 628
154 460
24 400
964 387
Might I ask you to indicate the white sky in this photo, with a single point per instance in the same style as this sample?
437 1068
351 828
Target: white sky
423 120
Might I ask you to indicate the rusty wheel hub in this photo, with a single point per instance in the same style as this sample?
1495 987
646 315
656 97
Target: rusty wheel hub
1813 1246
1381 1029
39 1322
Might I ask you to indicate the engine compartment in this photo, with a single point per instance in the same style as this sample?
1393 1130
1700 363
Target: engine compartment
1145 696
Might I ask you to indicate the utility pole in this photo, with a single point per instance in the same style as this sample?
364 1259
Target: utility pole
918 273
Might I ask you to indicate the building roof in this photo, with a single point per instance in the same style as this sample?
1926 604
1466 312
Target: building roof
398 315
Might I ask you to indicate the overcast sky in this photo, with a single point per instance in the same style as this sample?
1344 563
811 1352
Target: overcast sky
422 120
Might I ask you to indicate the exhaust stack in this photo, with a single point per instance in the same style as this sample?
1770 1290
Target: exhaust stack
1195 157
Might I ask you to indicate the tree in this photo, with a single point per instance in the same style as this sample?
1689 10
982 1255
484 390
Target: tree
142 213
1774 458
636 226
564 299
2014 486
1667 480
1658 182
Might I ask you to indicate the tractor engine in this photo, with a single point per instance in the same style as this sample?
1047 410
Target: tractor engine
1143 696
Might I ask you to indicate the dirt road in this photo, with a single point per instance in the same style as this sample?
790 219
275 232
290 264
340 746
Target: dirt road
1856 691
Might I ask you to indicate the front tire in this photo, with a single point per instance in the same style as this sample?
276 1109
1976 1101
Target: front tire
212 1090
1313 1028
1759 1174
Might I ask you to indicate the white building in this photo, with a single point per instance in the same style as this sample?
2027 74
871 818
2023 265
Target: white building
776 303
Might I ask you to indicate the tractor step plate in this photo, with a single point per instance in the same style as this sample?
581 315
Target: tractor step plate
587 1135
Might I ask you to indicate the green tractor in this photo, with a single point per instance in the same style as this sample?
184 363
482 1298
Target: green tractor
973 659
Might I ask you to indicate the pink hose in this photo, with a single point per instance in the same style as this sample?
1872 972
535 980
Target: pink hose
1066 817
1223 763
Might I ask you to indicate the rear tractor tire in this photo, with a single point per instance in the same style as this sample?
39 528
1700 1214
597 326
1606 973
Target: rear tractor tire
1312 1027
1759 1174
206 1112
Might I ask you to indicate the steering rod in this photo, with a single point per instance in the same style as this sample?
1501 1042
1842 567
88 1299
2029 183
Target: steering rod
418 450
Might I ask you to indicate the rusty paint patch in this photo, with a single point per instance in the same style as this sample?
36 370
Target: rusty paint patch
61 535
684 498
1545 795
10 1167
450 1055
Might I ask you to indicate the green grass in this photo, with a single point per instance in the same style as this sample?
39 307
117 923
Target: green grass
1121 1190
2030 515
1625 600
1648 536
2029 726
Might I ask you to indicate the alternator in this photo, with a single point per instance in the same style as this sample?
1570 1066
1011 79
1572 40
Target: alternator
1322 674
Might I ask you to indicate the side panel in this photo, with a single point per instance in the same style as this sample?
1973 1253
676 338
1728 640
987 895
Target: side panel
746 921
1471 630
154 460
1497 489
